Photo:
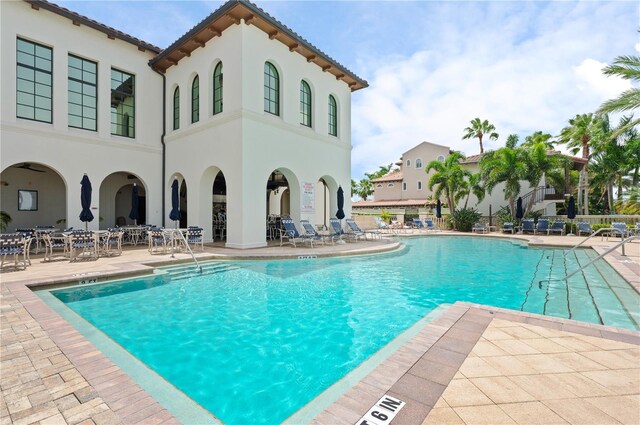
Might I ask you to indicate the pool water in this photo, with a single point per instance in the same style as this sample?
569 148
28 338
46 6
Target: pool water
254 341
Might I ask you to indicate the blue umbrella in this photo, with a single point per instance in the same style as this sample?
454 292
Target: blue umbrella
85 201
133 215
519 212
175 202
439 209
571 208
340 212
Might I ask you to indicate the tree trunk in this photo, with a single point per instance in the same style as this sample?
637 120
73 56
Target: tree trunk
620 187
612 210
580 206
481 147
512 206
585 182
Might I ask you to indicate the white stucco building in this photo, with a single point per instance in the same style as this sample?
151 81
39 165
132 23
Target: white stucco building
247 115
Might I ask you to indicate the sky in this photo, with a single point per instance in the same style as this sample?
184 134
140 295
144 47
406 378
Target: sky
433 66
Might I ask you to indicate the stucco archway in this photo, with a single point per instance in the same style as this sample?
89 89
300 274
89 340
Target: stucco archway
115 200
213 204
34 194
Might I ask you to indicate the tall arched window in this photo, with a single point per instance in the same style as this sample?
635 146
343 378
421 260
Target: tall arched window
176 108
195 100
333 116
305 104
217 89
271 89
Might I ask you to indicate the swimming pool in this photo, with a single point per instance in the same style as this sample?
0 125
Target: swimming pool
257 340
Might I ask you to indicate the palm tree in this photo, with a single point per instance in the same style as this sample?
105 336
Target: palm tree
473 184
576 135
448 177
539 137
479 129
364 189
538 164
627 67
506 165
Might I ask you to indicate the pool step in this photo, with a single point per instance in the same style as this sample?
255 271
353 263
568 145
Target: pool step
190 270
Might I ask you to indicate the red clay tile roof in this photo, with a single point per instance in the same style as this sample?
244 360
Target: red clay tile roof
391 177
390 203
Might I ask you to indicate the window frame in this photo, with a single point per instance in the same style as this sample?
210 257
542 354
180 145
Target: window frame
195 99
407 163
419 185
82 94
218 89
34 97
441 158
176 108
306 103
127 117
333 116
272 101
419 163
404 186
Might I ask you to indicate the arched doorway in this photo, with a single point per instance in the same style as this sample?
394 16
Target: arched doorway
219 207
278 195
33 194
183 205
116 200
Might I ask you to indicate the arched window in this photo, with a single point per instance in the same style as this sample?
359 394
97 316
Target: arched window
418 163
333 116
390 185
195 100
419 185
305 104
404 185
408 163
271 89
379 186
217 89
176 108
441 158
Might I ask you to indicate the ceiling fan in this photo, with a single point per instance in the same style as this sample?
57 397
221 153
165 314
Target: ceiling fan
27 166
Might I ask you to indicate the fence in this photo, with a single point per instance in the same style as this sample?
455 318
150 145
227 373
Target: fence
599 219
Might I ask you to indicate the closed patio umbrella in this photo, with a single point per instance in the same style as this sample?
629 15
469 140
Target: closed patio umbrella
571 208
133 215
519 212
340 212
438 209
175 202
85 201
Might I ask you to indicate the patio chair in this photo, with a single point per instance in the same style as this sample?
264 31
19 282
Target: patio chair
417 224
508 227
584 227
158 240
542 226
528 225
112 244
290 233
479 228
83 244
14 245
195 236
312 234
556 227
620 229
637 229
354 231
380 222
56 246
337 230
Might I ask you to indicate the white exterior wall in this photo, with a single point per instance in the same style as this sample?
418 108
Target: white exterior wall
248 144
70 151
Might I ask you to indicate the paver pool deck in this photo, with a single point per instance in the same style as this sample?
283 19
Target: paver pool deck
471 364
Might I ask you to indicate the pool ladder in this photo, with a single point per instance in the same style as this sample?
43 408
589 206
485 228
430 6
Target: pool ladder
613 248
186 244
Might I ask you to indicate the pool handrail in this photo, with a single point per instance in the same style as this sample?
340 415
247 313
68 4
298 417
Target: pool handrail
613 248
597 232
179 232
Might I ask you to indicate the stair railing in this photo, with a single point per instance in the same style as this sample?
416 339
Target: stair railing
186 244
613 248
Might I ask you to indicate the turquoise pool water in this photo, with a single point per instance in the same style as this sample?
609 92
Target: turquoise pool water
257 340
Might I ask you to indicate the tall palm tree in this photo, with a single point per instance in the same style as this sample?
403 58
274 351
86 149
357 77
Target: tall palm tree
364 189
538 164
448 178
478 130
506 165
576 135
627 67
539 137
473 184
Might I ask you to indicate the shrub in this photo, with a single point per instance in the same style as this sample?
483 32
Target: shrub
504 216
5 219
535 215
570 228
386 216
463 219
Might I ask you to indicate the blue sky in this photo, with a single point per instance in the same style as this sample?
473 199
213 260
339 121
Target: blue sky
433 66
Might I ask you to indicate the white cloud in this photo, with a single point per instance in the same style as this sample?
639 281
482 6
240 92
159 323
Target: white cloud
524 70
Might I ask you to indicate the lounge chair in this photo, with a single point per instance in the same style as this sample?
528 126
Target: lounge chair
584 227
83 244
338 233
195 236
373 232
542 226
290 233
620 229
380 223
556 227
429 224
508 227
528 225
354 231
311 234
479 228
417 224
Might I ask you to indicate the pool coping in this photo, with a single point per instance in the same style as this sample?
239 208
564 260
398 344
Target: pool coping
114 386
420 371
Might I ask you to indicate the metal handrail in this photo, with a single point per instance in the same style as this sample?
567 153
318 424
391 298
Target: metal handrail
178 231
621 243
596 233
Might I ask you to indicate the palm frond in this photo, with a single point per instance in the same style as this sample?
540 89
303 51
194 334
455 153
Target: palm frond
627 101
627 67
